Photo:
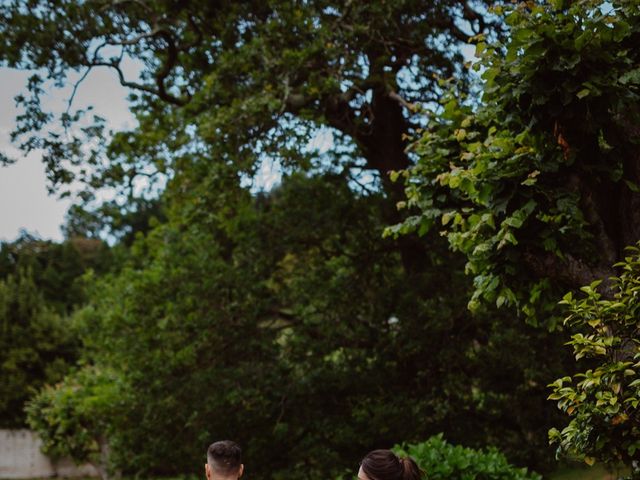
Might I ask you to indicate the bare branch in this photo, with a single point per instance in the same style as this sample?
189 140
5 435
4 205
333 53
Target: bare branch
410 106
172 57
160 77
75 89
137 39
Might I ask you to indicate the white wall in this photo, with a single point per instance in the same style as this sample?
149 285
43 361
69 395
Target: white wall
20 457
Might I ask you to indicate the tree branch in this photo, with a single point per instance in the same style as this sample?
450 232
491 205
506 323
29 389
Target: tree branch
75 89
409 106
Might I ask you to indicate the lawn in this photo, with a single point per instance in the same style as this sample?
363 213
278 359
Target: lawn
583 473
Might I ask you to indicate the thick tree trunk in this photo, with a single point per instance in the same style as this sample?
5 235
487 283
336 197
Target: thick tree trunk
381 138
384 147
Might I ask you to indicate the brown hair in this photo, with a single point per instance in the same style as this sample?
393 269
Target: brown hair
386 465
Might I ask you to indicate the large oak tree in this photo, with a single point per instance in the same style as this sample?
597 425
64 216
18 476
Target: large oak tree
239 81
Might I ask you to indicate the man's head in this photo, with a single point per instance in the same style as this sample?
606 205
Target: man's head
224 461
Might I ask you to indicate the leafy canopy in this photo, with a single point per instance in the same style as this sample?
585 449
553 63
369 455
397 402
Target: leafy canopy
538 186
251 79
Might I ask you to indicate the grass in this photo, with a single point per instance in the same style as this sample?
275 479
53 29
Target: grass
596 472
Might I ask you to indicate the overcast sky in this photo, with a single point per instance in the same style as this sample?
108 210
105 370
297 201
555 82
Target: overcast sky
24 202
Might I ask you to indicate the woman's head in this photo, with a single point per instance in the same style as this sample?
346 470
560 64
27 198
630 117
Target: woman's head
386 465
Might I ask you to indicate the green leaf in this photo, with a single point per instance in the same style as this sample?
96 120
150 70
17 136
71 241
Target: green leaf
631 77
583 93
634 187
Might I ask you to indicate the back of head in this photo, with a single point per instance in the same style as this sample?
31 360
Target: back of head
224 458
386 465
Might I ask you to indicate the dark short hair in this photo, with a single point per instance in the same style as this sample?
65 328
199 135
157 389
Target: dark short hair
225 457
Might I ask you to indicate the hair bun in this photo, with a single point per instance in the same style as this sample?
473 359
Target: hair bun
386 465
410 469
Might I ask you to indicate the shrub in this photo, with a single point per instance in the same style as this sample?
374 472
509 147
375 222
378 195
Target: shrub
603 400
70 417
441 460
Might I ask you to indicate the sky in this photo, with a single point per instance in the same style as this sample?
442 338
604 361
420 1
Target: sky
24 201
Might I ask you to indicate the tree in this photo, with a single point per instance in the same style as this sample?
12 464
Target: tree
36 345
111 220
41 283
252 80
315 318
56 268
538 186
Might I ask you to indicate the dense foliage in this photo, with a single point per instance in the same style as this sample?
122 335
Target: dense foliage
40 283
285 320
36 346
254 79
440 460
56 268
73 418
603 400
539 186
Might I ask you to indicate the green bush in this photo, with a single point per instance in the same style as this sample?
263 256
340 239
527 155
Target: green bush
603 400
71 417
441 460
